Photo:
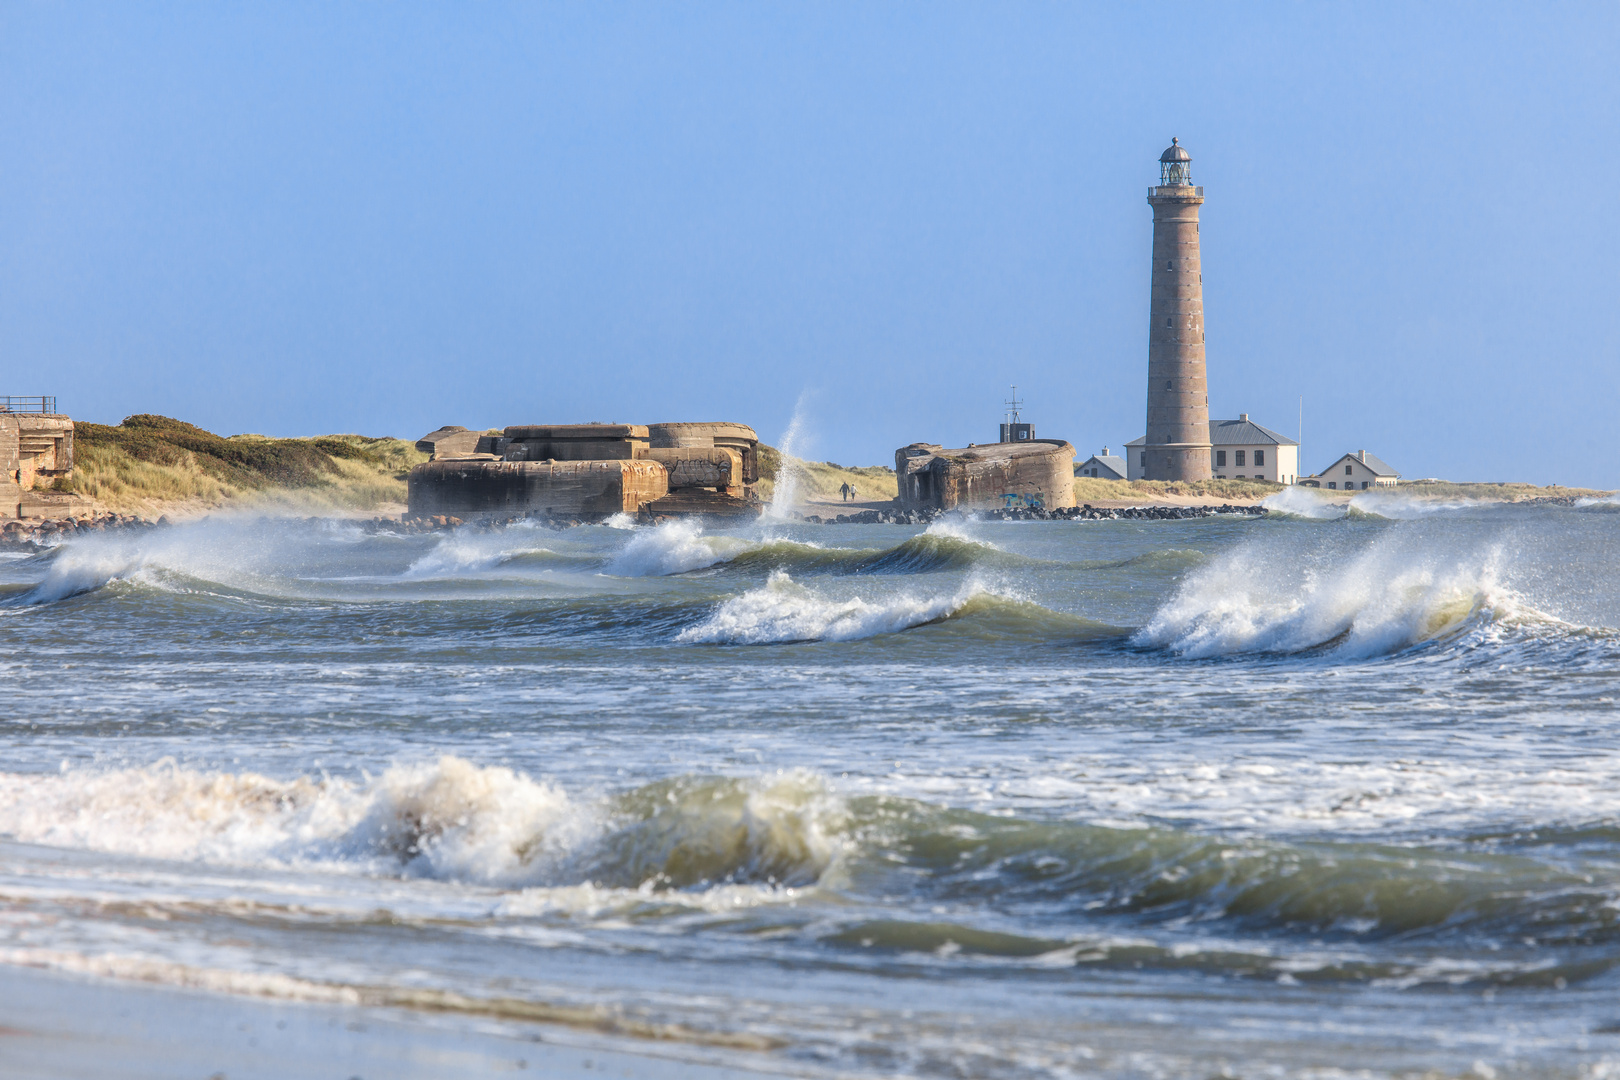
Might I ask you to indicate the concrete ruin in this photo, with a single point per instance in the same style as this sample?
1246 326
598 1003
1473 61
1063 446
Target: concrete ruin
589 471
1000 476
34 446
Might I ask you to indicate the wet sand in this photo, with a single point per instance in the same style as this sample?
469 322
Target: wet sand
60 1026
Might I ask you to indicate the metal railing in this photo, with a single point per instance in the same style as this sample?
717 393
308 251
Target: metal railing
28 404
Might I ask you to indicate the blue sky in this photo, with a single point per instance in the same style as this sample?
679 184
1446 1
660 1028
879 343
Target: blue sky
304 218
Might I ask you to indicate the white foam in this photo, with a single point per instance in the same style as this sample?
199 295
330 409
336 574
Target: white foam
675 547
1302 502
447 820
1367 602
461 553
783 610
958 530
1403 507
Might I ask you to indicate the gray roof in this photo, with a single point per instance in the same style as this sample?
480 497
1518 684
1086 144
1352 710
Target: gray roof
1107 461
1175 152
1377 465
1245 433
1235 433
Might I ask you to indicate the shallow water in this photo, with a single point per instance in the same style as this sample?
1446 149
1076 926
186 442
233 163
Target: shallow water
1321 790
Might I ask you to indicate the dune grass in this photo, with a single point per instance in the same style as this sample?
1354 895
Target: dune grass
1490 492
819 481
154 464
1090 489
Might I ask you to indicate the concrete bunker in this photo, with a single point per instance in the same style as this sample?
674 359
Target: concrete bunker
1031 473
589 470
36 443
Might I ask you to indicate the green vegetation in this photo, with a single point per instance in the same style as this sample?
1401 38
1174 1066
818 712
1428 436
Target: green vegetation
151 464
1090 490
1497 492
819 481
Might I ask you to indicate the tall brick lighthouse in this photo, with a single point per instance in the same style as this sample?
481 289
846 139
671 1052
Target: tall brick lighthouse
1177 446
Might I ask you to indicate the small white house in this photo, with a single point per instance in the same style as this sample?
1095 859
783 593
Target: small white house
1355 472
1103 466
1239 450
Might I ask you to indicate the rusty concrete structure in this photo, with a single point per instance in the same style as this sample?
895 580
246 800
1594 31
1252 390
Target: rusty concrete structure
34 445
589 470
1034 472
1177 446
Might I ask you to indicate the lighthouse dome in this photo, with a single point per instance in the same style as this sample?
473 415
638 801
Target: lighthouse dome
1177 152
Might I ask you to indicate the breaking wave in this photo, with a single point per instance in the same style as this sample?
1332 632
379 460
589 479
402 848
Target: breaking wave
1298 502
461 554
1082 893
1368 602
1309 505
782 610
680 547
447 820
675 547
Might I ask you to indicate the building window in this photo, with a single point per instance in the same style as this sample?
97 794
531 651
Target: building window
1240 476
1364 485
1333 484
1347 471
1144 459
1220 458
1239 458
1259 457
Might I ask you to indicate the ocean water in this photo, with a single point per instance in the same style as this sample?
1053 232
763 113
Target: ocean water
1334 791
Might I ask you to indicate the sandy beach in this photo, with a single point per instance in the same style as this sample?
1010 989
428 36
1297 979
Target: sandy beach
65 1027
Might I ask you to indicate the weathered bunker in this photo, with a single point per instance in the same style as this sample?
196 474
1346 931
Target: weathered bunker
589 470
1037 472
34 445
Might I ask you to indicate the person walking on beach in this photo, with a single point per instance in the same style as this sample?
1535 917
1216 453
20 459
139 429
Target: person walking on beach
844 491
852 493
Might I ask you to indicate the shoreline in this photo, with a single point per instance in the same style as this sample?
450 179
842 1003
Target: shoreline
38 534
58 1024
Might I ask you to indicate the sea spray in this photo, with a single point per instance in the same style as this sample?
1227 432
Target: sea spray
465 552
1302 503
674 547
447 820
782 610
789 470
1370 601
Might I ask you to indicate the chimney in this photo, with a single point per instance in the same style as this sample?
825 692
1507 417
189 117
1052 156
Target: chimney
1105 451
1361 456
1244 417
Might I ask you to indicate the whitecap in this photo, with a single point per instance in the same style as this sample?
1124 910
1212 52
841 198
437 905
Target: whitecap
675 547
783 610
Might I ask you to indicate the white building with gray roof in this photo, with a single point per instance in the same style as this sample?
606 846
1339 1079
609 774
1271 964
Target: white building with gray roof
1103 466
1239 450
1355 472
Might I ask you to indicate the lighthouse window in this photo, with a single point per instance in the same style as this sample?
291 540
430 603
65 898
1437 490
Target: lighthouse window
1167 385
1169 266
1168 323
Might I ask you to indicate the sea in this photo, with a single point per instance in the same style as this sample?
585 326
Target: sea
1331 791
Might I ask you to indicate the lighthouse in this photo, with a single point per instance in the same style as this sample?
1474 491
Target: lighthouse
1177 443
